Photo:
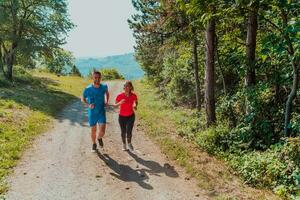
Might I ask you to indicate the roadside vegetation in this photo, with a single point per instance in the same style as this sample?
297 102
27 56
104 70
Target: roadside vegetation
235 65
108 74
173 129
27 108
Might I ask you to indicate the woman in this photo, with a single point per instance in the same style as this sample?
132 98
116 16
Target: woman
127 101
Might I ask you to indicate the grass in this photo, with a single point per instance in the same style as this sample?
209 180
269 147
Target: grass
27 108
212 174
29 105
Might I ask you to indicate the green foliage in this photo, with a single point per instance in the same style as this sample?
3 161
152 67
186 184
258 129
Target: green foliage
295 124
251 119
277 167
214 139
59 61
179 89
189 125
75 71
33 30
110 74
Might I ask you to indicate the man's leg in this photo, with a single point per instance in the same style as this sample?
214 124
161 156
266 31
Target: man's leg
93 133
101 125
93 136
101 129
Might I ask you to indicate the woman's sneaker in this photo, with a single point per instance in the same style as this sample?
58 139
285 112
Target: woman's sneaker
124 148
94 148
130 147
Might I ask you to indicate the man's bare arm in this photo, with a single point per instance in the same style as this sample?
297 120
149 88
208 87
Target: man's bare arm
83 100
107 97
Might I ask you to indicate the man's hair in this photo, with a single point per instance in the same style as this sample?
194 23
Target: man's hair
97 72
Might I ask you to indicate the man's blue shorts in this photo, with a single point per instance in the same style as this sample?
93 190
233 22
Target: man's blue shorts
97 119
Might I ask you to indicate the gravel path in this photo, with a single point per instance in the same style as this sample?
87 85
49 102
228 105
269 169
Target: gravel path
60 165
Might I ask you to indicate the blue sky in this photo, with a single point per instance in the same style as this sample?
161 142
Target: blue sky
102 28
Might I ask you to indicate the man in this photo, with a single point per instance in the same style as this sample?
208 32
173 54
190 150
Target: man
94 98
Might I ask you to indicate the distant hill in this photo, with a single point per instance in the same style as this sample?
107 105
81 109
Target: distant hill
125 64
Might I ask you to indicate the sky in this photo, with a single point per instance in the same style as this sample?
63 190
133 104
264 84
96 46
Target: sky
101 28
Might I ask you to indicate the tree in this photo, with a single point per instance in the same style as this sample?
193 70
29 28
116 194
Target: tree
251 51
285 9
251 44
207 11
111 74
210 73
147 39
58 60
75 71
32 27
196 68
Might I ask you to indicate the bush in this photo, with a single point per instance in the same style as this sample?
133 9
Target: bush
178 82
295 124
188 124
214 140
257 129
75 71
110 74
278 167
3 81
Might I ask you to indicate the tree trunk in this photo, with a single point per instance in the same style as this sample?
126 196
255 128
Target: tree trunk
209 74
295 65
9 61
251 46
250 51
291 97
196 70
1 61
9 65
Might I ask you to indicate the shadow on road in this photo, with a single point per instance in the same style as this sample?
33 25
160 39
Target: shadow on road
125 172
154 167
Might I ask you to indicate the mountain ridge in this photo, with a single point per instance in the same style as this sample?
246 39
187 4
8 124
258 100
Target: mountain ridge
125 64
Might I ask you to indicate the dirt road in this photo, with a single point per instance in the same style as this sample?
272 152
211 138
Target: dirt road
60 165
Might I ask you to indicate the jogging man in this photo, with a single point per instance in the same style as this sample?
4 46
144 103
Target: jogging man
94 97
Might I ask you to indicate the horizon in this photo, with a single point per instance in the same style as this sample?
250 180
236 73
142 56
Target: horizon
99 57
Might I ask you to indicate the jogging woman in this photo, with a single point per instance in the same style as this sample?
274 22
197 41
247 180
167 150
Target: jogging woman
127 101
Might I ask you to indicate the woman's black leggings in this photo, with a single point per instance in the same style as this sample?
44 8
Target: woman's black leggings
126 124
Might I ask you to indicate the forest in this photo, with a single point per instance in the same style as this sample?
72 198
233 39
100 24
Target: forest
235 64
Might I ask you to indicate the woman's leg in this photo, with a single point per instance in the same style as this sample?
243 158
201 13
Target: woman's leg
130 124
122 122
